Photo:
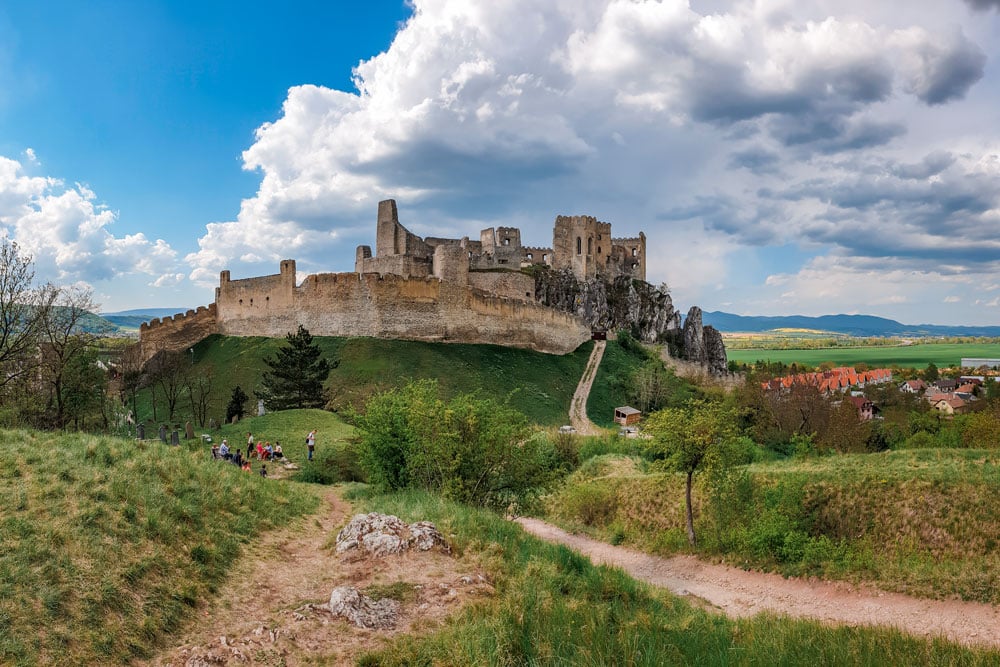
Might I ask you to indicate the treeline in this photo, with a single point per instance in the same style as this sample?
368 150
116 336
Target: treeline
51 370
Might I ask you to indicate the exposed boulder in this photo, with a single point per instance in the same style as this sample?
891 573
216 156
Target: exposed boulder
361 610
384 534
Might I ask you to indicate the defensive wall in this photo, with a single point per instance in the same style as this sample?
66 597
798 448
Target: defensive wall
372 304
179 332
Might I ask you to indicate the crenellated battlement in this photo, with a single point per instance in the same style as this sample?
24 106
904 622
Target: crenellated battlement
178 332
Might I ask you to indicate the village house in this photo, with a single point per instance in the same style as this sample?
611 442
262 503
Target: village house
949 405
866 409
913 386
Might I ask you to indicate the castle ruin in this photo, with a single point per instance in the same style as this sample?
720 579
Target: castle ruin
580 244
431 289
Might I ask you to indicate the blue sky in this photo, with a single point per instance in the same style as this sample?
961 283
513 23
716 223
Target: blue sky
806 157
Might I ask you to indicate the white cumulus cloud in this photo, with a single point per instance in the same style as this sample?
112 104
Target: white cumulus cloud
67 231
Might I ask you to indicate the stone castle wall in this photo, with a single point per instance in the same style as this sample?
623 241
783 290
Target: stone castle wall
179 332
391 306
510 284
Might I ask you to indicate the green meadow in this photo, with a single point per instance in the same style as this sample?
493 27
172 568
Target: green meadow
943 355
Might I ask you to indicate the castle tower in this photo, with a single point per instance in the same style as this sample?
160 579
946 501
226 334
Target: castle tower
580 243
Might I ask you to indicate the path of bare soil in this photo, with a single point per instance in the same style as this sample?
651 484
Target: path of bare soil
269 612
739 593
578 407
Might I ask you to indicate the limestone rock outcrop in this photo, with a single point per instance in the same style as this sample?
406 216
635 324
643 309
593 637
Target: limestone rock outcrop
621 303
385 534
703 344
627 303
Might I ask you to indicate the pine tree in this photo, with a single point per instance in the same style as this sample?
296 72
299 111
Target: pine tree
296 375
237 404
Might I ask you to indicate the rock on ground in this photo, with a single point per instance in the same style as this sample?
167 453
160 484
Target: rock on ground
363 611
384 534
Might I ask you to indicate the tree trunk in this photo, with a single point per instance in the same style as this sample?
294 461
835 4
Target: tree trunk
690 514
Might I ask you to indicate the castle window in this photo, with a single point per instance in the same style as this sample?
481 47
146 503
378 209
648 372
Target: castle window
598 237
634 252
598 248
506 241
241 302
634 265
579 246
590 245
545 258
251 302
529 256
527 294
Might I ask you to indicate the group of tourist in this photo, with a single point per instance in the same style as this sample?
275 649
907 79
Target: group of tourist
262 450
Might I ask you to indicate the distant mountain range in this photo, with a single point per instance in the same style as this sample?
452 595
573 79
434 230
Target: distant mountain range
133 319
853 325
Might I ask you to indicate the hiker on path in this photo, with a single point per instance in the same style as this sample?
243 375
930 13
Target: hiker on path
311 443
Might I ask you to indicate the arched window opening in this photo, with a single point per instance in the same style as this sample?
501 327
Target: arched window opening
634 252
579 246
590 245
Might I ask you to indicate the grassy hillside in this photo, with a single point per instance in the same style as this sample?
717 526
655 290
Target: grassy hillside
613 381
539 385
107 545
553 607
923 522
914 356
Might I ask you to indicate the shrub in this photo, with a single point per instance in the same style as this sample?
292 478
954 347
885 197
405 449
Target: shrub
333 466
468 449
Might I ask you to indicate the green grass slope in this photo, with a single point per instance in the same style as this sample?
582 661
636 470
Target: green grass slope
539 385
922 522
553 607
107 545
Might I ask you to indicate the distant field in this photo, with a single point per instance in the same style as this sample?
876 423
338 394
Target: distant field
915 356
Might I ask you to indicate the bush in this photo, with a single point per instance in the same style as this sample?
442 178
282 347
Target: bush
467 449
332 466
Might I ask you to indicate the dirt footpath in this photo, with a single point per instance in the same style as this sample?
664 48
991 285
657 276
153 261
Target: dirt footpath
739 593
578 408
271 611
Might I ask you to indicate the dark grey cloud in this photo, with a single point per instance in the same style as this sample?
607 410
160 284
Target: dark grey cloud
983 5
755 159
948 73
931 165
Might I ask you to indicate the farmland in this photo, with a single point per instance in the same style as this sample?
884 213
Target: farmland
914 355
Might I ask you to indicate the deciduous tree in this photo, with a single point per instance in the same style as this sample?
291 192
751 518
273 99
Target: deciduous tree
21 312
691 439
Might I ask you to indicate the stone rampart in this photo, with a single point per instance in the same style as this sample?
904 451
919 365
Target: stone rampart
178 332
391 306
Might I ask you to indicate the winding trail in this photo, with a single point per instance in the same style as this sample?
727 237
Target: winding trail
740 593
578 407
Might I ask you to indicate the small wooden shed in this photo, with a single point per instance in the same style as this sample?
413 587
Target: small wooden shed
626 416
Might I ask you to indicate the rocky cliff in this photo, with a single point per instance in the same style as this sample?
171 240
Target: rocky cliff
626 303
703 344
